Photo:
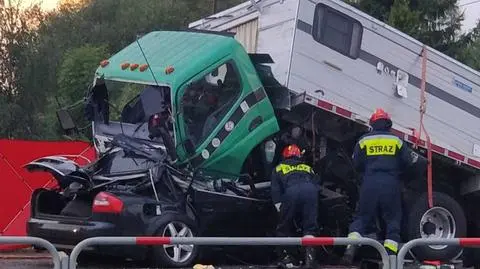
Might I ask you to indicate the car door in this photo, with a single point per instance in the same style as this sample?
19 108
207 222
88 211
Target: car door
222 212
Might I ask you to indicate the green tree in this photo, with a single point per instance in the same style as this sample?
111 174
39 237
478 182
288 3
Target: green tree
471 54
403 18
433 22
17 40
65 46
76 71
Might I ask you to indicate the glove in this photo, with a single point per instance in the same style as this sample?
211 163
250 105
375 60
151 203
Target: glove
277 206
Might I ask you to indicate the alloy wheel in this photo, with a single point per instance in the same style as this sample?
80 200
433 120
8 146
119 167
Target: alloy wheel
178 253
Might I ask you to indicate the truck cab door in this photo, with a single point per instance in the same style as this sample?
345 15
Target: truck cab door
223 113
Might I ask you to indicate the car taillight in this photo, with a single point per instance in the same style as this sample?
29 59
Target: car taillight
107 203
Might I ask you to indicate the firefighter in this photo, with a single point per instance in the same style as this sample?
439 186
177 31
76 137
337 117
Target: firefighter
295 190
381 157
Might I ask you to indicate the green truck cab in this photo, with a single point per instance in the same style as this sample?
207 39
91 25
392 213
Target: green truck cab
220 108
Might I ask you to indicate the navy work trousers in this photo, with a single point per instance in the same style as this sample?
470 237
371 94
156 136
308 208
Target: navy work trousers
300 202
379 193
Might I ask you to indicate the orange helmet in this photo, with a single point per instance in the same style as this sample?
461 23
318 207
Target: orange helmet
379 114
291 150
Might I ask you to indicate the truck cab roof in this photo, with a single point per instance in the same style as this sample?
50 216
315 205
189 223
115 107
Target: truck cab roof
184 51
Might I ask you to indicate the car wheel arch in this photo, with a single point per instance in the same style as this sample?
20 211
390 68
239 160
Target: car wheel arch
154 224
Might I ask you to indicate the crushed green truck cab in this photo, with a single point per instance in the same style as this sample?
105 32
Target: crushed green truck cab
184 60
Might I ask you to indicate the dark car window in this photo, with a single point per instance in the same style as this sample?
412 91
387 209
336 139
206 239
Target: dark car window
206 101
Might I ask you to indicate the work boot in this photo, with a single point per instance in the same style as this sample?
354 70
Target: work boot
349 255
391 247
310 258
287 261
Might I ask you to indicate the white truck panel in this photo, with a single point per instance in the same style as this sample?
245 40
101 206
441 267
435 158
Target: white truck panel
305 65
355 84
277 25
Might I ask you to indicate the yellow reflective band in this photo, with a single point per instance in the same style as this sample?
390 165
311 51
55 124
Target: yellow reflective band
377 145
354 235
391 245
285 168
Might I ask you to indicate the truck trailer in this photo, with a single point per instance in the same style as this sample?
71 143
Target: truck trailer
341 63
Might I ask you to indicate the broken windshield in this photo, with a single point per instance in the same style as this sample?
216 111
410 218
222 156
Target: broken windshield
151 100
131 103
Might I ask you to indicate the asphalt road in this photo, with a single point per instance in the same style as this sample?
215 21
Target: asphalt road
91 262
45 264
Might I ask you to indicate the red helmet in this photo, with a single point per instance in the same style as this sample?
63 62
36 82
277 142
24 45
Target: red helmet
291 150
379 114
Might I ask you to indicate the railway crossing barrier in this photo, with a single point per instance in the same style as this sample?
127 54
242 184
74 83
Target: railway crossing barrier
229 241
461 242
62 261
58 259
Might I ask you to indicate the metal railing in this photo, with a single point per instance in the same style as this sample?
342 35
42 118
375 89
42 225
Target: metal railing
229 241
62 261
461 242
39 242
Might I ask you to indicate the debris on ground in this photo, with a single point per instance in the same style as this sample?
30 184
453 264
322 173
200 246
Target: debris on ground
201 266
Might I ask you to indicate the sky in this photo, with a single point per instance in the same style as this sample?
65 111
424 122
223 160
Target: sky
472 13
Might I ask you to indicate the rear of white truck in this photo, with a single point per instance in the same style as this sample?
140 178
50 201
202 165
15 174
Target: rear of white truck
344 62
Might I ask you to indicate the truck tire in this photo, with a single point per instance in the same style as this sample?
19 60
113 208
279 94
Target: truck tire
445 219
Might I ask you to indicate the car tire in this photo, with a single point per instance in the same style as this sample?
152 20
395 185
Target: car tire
171 256
446 218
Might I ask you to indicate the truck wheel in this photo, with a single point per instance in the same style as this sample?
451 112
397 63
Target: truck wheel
175 256
445 219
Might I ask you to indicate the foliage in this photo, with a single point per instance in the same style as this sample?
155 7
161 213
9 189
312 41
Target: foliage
471 54
17 44
433 22
75 72
402 17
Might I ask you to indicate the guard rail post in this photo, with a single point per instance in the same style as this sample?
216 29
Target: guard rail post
462 242
39 242
64 259
229 241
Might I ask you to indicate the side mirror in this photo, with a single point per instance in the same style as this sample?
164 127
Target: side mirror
189 147
66 120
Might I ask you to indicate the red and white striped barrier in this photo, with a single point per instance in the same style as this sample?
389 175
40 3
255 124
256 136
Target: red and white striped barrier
462 242
39 242
229 241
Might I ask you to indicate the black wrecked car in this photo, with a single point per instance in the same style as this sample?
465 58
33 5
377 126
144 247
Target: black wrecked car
131 191
134 189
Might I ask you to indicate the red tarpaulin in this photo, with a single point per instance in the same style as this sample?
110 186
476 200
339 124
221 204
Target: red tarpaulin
18 184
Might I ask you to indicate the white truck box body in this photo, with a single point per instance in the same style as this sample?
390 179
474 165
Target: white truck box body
354 80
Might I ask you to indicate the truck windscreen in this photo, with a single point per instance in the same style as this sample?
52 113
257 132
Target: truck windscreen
152 100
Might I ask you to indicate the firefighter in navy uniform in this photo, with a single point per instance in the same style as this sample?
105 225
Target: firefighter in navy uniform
381 157
295 189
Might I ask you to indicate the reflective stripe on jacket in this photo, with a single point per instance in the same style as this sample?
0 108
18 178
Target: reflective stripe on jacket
380 152
288 173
